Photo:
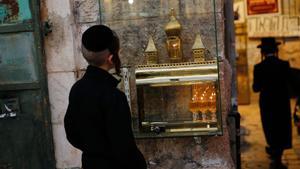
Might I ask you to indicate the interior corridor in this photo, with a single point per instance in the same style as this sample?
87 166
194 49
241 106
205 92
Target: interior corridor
253 143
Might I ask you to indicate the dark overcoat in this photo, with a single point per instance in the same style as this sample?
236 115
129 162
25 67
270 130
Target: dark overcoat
271 80
98 122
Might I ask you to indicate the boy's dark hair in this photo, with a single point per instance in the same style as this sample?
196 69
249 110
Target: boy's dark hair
97 38
97 42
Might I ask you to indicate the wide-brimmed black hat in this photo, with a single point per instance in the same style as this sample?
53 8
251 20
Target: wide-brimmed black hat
270 42
97 38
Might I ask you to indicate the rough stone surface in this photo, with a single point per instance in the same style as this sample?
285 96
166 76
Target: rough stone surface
59 45
65 154
86 11
59 53
178 153
59 85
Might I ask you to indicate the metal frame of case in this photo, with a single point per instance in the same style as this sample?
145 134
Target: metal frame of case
176 74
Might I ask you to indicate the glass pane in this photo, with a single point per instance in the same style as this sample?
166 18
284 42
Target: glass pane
17 64
14 11
113 10
166 41
177 108
136 22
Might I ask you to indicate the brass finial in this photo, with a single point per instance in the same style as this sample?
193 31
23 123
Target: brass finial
198 44
151 52
198 49
151 46
173 27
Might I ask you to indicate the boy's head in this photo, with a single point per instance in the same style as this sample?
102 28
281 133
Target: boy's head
100 46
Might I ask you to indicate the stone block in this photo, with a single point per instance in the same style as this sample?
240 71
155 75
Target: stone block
86 11
63 9
59 44
66 155
59 85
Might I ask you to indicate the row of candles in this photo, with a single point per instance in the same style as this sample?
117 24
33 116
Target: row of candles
203 102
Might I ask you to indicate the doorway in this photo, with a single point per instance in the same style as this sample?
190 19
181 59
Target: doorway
25 127
253 155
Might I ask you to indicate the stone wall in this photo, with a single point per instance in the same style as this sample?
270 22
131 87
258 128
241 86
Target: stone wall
65 65
61 68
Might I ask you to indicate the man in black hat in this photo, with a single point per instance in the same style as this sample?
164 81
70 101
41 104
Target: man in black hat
271 80
98 119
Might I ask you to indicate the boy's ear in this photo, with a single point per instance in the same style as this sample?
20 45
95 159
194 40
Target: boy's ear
110 59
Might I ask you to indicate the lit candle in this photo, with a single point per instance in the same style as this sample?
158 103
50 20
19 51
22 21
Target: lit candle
174 50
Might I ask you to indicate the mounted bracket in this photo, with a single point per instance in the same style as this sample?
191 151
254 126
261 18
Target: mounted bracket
47 27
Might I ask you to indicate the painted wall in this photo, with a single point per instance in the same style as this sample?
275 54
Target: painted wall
65 64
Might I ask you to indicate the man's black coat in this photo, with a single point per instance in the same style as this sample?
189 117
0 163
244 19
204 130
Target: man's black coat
271 80
98 122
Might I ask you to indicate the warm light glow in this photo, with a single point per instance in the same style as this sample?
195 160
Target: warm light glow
130 1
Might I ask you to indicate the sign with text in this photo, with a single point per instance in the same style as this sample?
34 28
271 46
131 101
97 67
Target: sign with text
275 26
255 7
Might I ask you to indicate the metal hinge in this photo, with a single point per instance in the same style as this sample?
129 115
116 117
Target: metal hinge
47 27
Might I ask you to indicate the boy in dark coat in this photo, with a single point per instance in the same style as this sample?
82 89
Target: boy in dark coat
98 120
271 80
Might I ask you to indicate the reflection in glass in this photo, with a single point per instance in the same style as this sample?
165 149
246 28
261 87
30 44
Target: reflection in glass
17 64
203 102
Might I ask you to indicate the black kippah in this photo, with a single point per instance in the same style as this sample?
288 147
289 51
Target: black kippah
97 38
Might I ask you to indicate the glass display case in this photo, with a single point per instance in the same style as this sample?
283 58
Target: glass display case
171 47
178 99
